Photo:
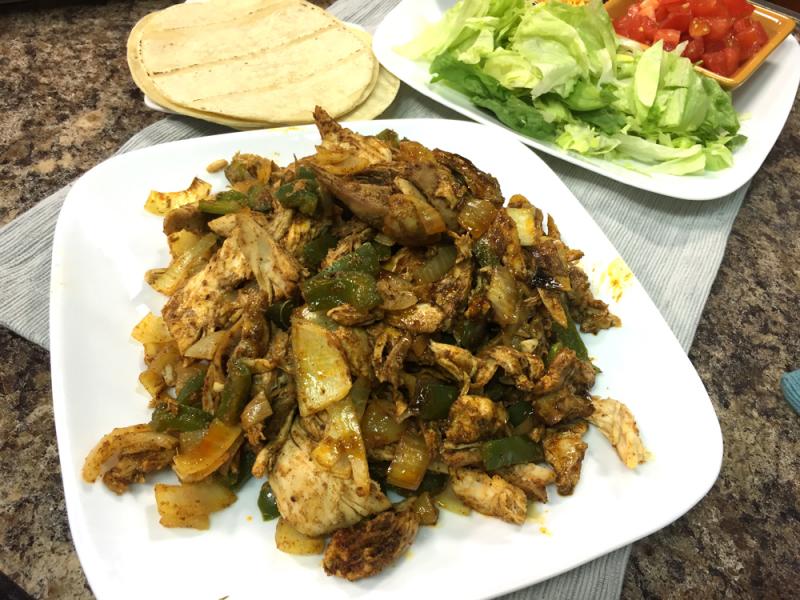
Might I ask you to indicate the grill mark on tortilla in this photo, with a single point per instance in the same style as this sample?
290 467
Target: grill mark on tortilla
285 83
222 61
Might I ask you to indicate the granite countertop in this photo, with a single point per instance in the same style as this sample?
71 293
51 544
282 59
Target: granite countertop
68 102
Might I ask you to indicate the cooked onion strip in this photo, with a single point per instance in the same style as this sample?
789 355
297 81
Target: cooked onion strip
190 504
214 450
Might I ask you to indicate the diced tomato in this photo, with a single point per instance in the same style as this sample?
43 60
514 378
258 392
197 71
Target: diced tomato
738 8
719 27
742 24
671 38
699 27
718 32
703 8
754 34
725 62
750 51
732 58
694 49
639 28
678 17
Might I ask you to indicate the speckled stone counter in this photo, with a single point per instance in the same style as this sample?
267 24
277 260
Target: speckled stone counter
67 102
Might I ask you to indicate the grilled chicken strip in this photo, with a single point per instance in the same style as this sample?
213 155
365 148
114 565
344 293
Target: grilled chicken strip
195 308
530 478
616 422
474 418
312 499
370 546
490 495
564 450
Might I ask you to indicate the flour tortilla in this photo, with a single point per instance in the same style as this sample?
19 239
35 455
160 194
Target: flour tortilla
257 61
379 99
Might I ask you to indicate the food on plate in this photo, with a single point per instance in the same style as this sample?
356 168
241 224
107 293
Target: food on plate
720 33
558 73
366 323
257 63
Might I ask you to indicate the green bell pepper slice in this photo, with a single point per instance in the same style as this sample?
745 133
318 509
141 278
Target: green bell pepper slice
513 450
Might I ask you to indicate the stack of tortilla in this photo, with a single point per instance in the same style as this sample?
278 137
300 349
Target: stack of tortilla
257 63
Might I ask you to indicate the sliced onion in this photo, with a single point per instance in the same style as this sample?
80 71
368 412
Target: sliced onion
256 411
168 281
477 216
552 302
190 439
503 295
291 541
160 203
189 504
439 264
343 438
379 426
321 372
151 330
219 443
525 221
410 461
452 503
396 293
206 346
180 241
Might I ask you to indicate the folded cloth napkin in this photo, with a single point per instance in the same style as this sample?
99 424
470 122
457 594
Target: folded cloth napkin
674 247
790 384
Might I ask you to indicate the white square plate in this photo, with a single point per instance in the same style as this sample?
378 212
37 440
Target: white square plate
105 242
763 104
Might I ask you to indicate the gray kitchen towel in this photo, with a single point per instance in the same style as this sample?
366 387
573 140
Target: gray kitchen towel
674 247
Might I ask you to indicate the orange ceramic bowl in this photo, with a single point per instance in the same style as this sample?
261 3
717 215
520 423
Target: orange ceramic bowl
777 26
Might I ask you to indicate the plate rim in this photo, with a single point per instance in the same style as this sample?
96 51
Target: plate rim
76 517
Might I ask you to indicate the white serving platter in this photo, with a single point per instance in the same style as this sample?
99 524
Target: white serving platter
104 243
763 103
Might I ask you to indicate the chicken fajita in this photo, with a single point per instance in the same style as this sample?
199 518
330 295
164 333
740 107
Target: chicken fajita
377 333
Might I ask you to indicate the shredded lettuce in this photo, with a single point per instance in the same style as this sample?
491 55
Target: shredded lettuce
557 72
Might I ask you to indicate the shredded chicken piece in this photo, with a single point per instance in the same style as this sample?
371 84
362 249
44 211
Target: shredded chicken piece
524 369
462 365
452 291
388 353
589 312
564 450
616 422
530 478
420 318
490 495
312 499
461 457
350 316
276 271
186 218
562 405
360 150
565 367
369 547
138 448
474 418
132 468
195 309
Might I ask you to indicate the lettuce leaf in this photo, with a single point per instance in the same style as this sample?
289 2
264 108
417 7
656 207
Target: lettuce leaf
556 71
486 92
